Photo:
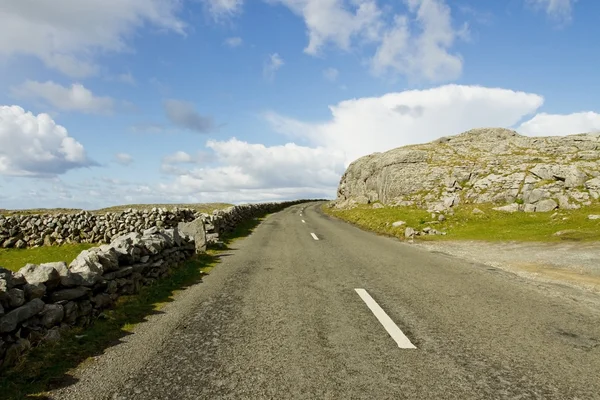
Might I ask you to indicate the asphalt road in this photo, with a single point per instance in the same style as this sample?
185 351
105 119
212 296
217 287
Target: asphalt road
280 318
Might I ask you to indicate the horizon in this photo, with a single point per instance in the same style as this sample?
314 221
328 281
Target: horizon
232 101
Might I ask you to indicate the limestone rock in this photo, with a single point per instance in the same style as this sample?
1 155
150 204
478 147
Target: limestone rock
511 208
487 165
44 273
196 231
398 224
546 205
9 321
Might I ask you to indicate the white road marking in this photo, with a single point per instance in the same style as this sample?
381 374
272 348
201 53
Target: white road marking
314 236
389 325
303 221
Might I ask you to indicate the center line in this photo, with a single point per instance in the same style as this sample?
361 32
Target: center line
389 325
303 221
314 236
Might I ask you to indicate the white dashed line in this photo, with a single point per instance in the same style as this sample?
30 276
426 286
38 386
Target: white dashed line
314 236
303 221
389 325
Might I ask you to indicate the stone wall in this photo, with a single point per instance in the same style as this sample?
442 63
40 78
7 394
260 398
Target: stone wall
39 301
22 231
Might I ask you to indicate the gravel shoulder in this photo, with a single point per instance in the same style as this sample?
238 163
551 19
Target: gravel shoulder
576 264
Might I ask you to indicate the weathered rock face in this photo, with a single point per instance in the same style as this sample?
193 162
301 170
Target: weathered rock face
490 165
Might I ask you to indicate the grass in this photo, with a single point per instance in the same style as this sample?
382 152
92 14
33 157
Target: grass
201 207
15 259
491 226
47 366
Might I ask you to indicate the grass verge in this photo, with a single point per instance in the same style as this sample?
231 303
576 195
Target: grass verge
490 226
47 366
15 259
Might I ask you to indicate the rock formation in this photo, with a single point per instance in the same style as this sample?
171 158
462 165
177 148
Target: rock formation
489 165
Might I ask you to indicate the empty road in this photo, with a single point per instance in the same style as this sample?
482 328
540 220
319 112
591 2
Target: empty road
281 318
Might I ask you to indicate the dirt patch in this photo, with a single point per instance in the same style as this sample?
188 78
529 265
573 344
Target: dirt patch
577 264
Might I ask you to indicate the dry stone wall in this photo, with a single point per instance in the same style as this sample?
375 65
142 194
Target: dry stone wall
39 301
22 231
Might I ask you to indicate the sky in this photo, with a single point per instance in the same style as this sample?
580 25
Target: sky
111 102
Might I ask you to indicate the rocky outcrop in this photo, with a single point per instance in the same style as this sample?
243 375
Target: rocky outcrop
39 301
490 165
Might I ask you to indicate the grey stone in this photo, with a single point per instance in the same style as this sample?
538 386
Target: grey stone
529 208
477 211
16 297
194 230
409 232
52 315
593 217
511 208
69 294
34 291
378 205
44 273
441 218
53 335
398 224
86 268
546 205
10 321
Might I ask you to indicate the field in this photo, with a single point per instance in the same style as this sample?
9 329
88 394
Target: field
491 225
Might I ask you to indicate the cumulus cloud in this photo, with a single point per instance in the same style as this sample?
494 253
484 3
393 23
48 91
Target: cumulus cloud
416 43
558 125
123 159
234 41
74 98
373 124
335 22
184 115
256 167
33 145
423 55
69 34
559 10
126 78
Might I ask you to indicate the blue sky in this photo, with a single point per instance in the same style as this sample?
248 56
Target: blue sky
159 101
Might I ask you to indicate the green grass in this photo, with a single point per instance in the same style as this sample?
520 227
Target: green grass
491 226
47 366
15 259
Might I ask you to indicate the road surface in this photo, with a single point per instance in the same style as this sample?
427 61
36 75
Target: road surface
281 318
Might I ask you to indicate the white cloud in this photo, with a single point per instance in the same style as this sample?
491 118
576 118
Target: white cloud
331 74
272 65
373 124
220 9
335 22
75 98
559 10
184 115
255 167
68 35
420 55
33 145
123 159
234 41
557 125
420 52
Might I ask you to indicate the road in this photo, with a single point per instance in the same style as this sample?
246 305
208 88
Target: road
280 318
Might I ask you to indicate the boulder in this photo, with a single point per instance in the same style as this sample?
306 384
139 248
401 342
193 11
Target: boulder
69 294
86 268
16 297
398 224
546 205
409 233
34 291
511 208
10 321
52 315
593 217
44 273
195 231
